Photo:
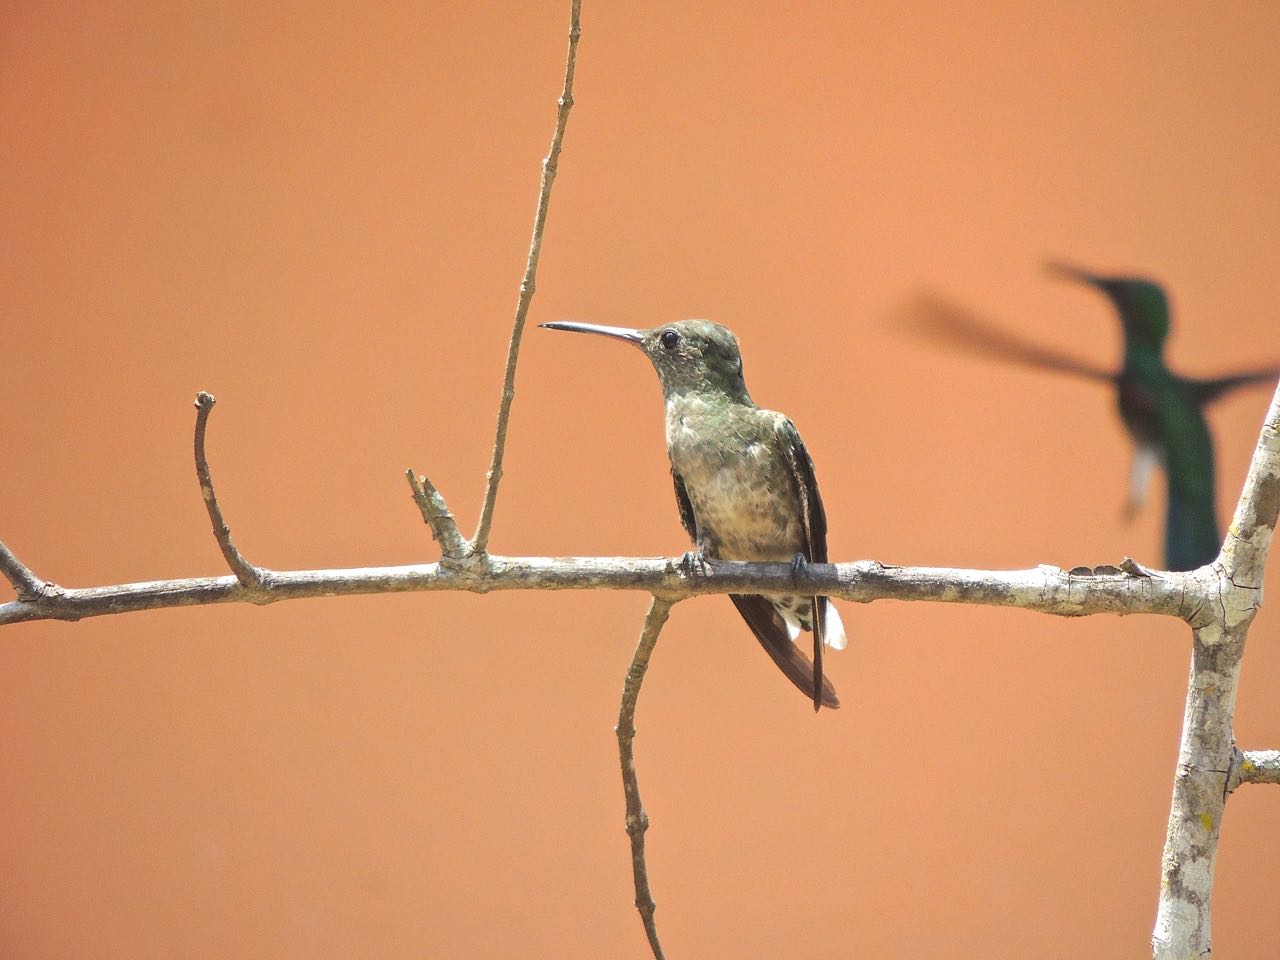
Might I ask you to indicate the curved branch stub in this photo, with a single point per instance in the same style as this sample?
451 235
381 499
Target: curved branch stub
454 548
255 578
26 584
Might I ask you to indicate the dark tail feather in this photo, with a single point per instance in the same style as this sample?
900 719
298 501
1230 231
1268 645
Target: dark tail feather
1190 532
819 641
771 631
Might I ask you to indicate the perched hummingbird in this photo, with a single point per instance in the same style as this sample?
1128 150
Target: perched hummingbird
744 485
1163 412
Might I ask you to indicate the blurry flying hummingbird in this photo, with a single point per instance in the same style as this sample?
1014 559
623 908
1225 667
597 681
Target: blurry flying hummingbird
1163 412
744 484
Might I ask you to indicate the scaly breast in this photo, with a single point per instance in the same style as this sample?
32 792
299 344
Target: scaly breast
740 487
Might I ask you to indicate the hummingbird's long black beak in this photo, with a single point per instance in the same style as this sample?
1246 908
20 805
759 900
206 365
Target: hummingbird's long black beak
618 333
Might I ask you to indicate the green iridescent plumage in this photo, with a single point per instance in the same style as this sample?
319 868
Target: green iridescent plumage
744 484
1162 411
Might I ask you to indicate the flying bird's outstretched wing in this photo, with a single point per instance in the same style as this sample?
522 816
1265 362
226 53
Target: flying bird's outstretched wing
1210 389
946 322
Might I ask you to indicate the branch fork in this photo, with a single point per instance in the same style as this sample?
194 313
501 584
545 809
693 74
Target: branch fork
1253 766
1210 766
29 587
457 552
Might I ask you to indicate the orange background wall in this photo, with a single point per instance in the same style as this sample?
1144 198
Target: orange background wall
320 214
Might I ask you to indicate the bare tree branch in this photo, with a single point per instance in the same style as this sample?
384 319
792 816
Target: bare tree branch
1253 766
19 575
637 819
249 576
1205 758
1219 602
480 542
1244 554
444 529
1045 588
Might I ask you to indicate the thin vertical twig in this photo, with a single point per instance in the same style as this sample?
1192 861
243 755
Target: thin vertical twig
637 819
480 542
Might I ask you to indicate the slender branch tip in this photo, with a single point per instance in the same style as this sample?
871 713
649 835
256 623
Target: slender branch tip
479 544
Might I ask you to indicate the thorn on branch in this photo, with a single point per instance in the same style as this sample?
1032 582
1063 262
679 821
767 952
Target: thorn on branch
254 578
435 513
1135 569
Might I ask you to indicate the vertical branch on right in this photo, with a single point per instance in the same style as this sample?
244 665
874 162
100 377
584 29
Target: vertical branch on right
1230 596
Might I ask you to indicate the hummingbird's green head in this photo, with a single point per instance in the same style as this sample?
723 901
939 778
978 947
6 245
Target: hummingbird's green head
1141 303
691 356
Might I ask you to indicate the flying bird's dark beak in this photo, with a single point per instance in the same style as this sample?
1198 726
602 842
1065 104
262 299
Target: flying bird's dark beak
1066 271
618 333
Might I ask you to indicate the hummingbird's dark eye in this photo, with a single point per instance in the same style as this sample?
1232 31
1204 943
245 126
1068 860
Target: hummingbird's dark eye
670 338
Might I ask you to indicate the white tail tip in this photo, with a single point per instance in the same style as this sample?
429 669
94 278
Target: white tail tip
793 624
834 637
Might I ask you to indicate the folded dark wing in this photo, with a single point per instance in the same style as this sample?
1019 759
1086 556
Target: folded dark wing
686 508
815 535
